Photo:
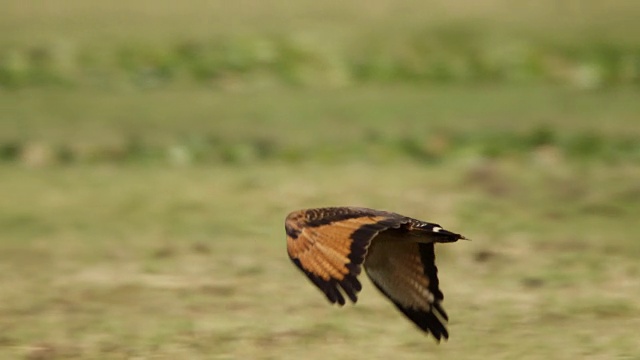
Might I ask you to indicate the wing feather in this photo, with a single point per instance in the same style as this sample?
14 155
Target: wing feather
329 245
405 272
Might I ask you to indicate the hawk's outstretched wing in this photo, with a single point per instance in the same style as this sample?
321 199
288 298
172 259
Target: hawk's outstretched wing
330 245
406 273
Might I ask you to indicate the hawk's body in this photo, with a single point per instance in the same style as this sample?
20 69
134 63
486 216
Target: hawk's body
330 245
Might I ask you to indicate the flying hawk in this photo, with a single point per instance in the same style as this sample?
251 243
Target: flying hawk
330 245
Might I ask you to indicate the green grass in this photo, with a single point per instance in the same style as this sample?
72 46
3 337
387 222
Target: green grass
379 124
588 44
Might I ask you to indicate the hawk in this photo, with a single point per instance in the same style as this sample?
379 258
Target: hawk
331 245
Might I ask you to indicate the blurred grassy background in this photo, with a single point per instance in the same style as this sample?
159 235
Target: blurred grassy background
149 152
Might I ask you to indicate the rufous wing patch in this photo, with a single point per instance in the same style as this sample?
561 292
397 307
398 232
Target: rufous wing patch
331 253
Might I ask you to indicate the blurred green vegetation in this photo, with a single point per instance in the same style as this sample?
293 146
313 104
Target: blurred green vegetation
181 70
376 124
581 43
466 56
441 55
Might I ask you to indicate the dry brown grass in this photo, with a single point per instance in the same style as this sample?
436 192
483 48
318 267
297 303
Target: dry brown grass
112 262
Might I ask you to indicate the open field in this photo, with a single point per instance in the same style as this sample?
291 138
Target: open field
150 151
156 262
145 256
